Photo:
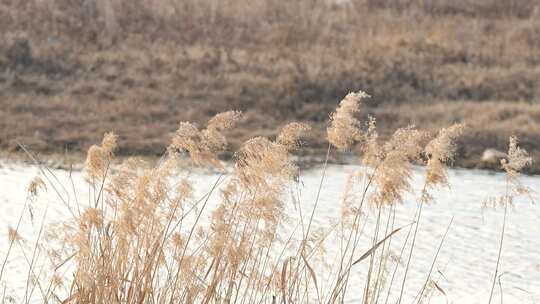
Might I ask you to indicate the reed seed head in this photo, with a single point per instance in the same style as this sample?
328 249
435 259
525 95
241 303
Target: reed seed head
518 158
290 135
344 128
35 185
203 146
98 158
441 150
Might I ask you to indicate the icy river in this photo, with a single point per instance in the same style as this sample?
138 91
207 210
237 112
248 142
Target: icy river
466 262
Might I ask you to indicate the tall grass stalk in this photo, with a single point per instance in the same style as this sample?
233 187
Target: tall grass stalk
421 293
411 250
499 254
517 159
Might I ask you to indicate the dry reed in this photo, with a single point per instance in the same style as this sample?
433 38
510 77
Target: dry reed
143 238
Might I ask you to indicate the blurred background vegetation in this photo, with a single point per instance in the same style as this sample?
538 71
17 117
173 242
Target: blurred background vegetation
71 70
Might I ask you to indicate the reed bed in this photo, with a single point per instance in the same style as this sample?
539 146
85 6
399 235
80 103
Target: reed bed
144 236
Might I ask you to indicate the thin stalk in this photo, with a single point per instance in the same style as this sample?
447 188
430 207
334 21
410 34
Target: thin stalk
435 259
355 232
372 256
189 237
11 241
412 246
318 191
499 254
382 263
501 242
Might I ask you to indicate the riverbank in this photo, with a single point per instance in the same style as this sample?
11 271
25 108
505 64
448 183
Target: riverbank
69 73
312 160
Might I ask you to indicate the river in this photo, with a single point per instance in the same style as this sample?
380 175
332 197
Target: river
466 262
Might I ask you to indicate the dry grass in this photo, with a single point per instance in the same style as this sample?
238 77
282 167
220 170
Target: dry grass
143 237
73 70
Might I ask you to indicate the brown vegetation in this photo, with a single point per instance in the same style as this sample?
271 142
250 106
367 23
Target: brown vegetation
143 235
71 70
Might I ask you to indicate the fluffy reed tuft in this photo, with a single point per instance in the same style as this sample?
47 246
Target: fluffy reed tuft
344 128
34 186
394 168
203 146
439 151
517 160
291 134
98 158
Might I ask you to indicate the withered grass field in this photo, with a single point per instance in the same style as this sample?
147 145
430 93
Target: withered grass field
71 70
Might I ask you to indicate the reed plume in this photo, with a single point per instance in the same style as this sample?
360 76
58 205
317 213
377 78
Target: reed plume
439 151
203 146
344 128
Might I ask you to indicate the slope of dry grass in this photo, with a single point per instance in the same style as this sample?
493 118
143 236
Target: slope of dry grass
72 70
